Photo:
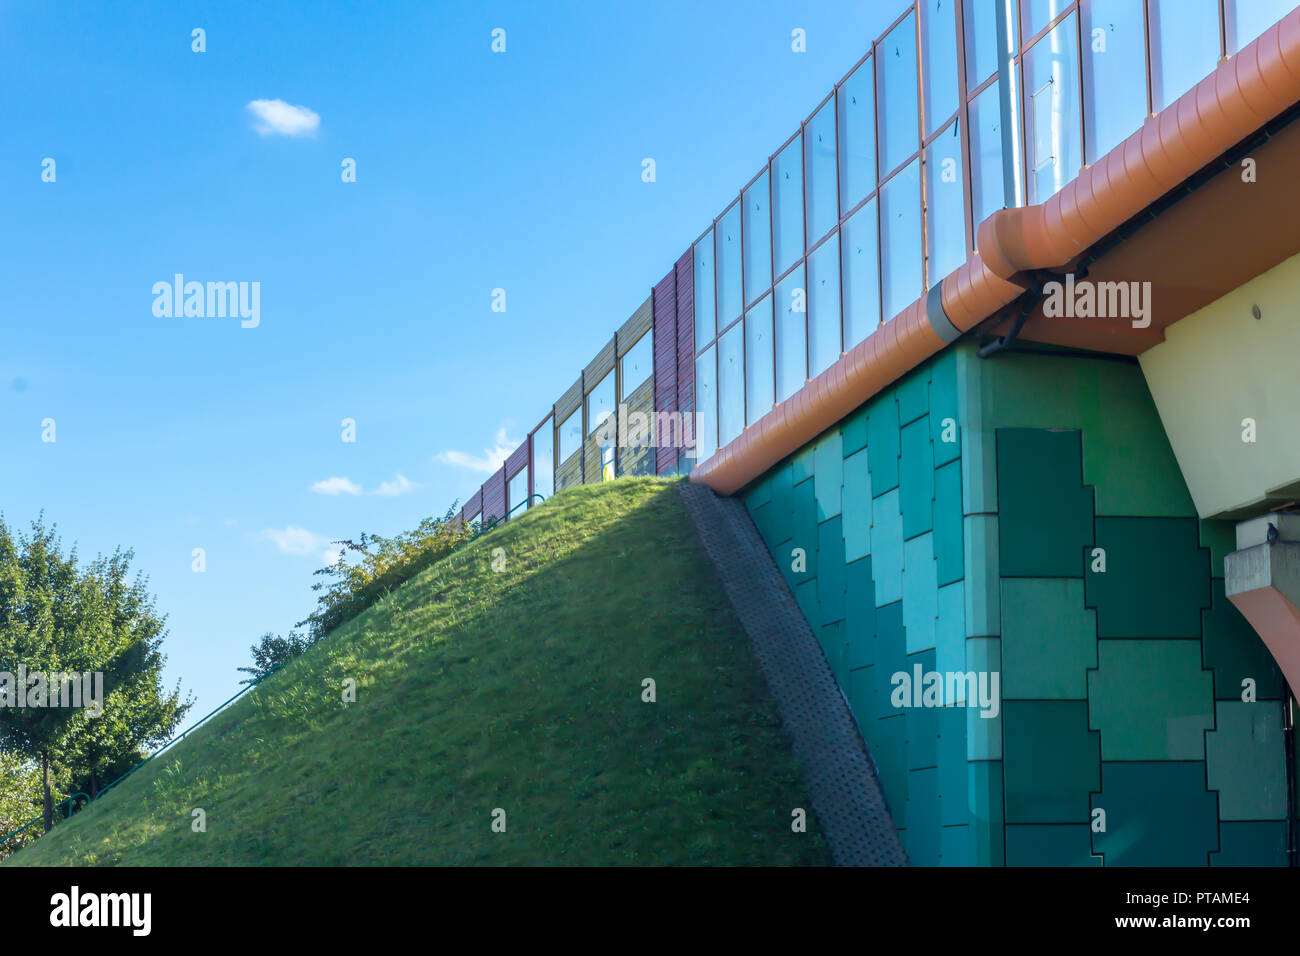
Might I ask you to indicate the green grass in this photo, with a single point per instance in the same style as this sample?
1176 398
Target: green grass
477 689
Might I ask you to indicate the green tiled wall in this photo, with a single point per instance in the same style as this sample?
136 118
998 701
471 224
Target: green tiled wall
866 523
1025 515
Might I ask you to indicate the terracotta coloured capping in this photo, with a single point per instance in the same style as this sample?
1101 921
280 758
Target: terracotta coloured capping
1241 95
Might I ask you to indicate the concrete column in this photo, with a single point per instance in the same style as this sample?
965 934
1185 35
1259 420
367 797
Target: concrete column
1263 583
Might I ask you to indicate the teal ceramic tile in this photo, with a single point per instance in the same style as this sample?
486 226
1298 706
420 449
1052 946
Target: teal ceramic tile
1254 843
1049 639
1050 761
948 544
916 479
986 829
860 613
857 507
1151 700
882 442
1045 513
922 818
887 548
829 479
830 570
950 629
983 596
945 412
1157 814
1050 845
913 394
1157 578
920 593
854 432
1245 761
955 846
984 723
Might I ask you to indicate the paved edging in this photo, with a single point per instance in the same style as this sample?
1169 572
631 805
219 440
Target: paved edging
841 777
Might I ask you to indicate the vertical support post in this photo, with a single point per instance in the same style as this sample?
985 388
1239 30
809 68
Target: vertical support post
1007 94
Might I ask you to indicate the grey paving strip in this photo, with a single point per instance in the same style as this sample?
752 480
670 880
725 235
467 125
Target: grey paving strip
846 795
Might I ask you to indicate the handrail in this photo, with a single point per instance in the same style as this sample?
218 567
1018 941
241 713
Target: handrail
198 723
53 809
496 521
253 683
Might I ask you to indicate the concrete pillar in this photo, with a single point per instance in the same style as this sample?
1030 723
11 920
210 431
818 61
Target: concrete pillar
1262 580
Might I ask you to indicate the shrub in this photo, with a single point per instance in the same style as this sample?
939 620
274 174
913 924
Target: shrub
371 566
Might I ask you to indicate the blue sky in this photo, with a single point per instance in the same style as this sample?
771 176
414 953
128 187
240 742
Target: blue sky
475 171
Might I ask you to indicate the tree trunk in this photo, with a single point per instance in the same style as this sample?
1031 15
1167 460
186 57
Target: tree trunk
94 784
49 801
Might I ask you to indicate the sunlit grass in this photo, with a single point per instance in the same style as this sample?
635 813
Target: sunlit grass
478 690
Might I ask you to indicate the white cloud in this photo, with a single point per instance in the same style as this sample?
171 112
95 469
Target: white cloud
341 485
277 116
301 542
488 462
336 486
398 486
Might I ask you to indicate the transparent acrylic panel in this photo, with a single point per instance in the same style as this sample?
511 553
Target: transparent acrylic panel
824 306
900 240
896 95
757 223
820 196
517 491
704 323
790 304
939 61
760 359
945 191
600 402
544 459
571 435
860 262
727 252
731 384
857 130
982 37
1037 14
706 408
1184 47
987 189
1114 73
1247 19
1051 76
638 363
787 206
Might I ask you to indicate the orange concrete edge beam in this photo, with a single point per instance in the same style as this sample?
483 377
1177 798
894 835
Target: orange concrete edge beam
1277 622
1241 95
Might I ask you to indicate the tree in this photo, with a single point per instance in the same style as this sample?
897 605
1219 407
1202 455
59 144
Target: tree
58 618
273 651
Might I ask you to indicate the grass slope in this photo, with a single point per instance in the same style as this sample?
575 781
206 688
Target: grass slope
477 689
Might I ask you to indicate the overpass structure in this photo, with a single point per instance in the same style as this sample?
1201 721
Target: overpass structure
999 350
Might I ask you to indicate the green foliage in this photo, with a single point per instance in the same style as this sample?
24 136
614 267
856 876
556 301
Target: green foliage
57 616
484 685
372 566
20 799
273 651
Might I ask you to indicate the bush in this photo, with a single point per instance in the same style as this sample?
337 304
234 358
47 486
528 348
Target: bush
372 566
20 800
273 651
